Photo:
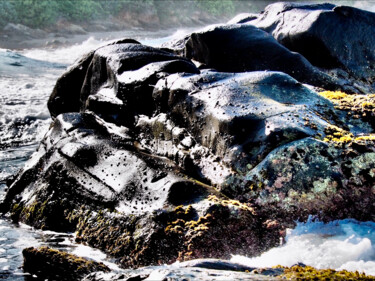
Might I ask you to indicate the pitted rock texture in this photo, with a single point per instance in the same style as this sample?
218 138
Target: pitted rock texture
153 157
93 180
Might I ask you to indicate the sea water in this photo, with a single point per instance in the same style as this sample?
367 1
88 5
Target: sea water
343 244
26 81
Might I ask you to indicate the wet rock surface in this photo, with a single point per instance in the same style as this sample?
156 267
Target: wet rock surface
126 201
52 264
323 34
201 270
244 47
199 149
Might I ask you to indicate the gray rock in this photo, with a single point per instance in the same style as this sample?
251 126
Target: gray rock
17 30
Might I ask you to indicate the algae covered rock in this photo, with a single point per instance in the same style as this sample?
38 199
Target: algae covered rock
309 273
311 177
51 264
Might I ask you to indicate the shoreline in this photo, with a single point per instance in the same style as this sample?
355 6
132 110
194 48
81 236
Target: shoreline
53 40
20 37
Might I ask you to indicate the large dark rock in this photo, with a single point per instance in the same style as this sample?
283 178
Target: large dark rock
328 36
101 75
244 47
89 177
238 118
120 80
66 93
156 161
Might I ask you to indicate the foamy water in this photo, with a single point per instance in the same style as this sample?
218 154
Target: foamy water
72 53
25 85
345 244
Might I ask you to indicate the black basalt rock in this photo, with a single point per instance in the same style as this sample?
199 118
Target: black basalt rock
99 81
240 48
207 148
324 34
65 96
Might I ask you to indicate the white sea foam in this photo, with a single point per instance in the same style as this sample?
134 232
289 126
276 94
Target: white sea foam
366 5
66 55
345 244
94 254
156 42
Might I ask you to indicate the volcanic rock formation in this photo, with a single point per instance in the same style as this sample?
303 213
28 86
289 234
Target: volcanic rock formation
212 145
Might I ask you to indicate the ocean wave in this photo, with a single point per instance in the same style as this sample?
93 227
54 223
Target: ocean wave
343 244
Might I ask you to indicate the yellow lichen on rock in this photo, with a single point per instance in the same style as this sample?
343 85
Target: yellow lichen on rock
310 273
370 137
333 95
358 106
184 224
337 135
229 203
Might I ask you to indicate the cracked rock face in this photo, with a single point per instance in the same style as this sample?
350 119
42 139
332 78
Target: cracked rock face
154 160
